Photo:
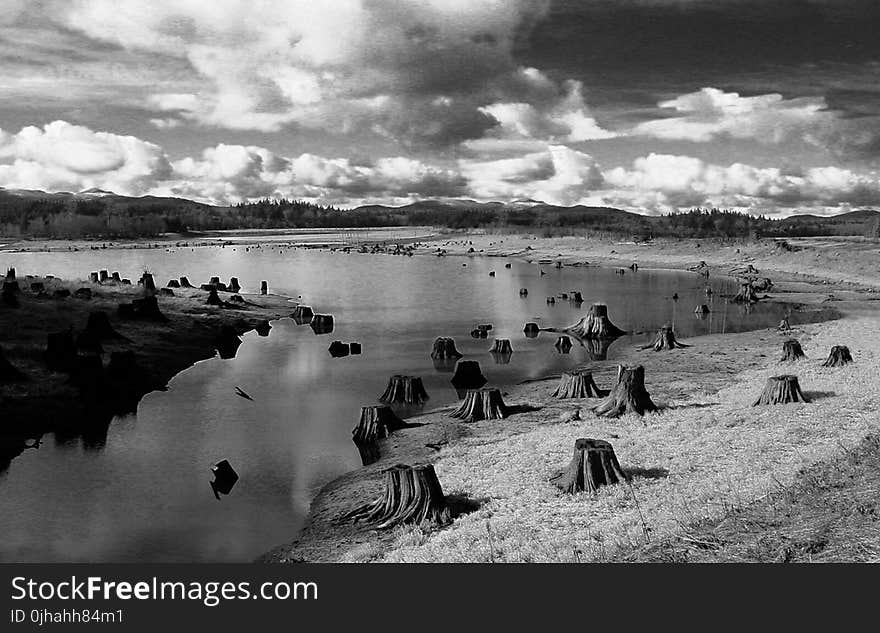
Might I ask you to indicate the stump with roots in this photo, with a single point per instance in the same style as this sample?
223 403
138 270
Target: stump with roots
412 496
593 465
262 327
227 341
838 357
746 294
563 344
628 395
577 384
501 346
444 348
665 340
468 375
596 324
781 390
8 371
376 422
322 323
481 404
791 351
404 390
302 314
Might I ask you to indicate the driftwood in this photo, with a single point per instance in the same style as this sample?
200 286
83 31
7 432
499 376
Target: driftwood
791 351
468 375
665 340
444 348
481 404
595 324
593 465
376 422
838 357
412 495
501 346
628 395
338 349
404 390
563 345
746 294
578 384
781 390
322 323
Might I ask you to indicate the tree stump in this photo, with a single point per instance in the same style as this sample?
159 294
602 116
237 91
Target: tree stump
322 323
83 293
234 286
593 465
481 404
665 340
147 282
563 344
404 390
628 395
595 325
184 283
61 293
791 351
702 309
444 348
99 326
262 327
213 298
838 357
781 390
227 341
115 277
412 496
491 273
103 276
10 274
478 333
354 348
8 372
531 330
338 349
302 314
93 277
746 294
577 384
575 297
376 422
501 346
468 375
173 283
10 293
264 287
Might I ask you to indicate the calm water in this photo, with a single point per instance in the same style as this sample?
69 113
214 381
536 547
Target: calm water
144 493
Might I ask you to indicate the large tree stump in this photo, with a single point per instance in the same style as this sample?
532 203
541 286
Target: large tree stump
444 348
791 351
593 465
376 422
781 390
665 340
577 384
746 294
468 375
628 395
10 274
412 496
213 298
404 390
93 277
563 345
595 325
838 357
8 372
481 404
501 346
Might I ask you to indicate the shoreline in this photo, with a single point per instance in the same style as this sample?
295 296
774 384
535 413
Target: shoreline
714 361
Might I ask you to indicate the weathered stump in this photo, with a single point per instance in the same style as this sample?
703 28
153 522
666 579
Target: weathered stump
551 300
481 404
227 341
665 340
838 357
478 333
404 390
468 375
781 390
563 345
746 294
593 465
262 327
148 309
322 323
61 293
338 349
8 372
628 395
491 273
173 283
412 496
38 287
115 277
444 348
596 324
264 287
791 351
184 283
302 314
147 282
10 274
531 330
103 276
577 384
234 286
376 422
166 292
501 346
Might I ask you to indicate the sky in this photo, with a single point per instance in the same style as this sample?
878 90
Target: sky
767 106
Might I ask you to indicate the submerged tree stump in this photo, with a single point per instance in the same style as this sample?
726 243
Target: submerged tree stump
444 348
596 324
628 395
404 390
838 357
563 344
376 422
593 465
577 384
501 346
531 330
468 375
746 294
302 314
665 340
481 404
412 496
781 390
791 351
322 323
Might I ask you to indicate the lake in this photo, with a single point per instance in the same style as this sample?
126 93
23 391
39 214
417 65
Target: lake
143 493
